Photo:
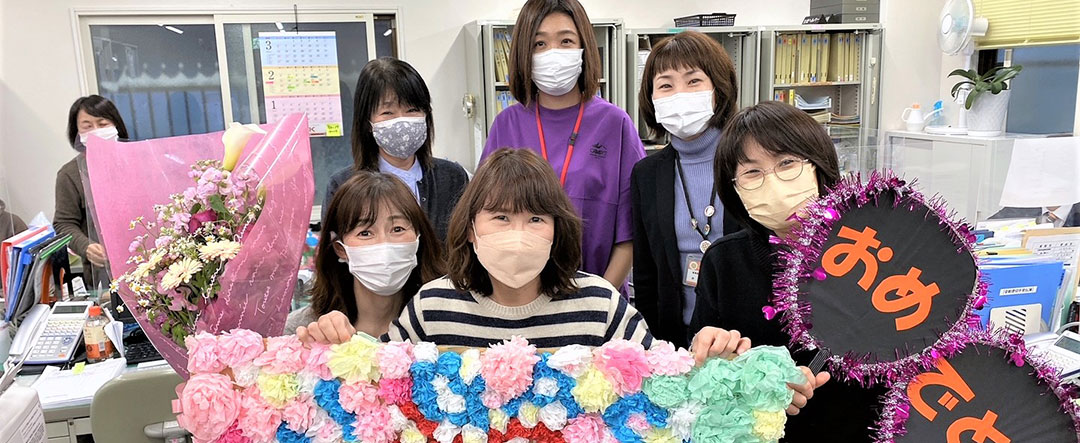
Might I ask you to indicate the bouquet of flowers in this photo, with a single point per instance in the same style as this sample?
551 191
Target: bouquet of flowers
197 244
180 255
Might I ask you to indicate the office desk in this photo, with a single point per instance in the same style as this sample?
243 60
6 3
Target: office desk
64 424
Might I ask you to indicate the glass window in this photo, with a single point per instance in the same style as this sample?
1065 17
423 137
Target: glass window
1043 98
163 78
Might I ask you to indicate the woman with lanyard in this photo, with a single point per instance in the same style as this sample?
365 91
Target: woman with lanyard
690 93
591 144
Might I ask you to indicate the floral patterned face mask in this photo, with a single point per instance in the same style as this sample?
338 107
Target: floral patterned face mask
401 137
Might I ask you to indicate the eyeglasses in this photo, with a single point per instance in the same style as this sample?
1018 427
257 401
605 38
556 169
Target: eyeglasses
787 169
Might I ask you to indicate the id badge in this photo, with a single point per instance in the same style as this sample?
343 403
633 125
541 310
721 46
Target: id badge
691 269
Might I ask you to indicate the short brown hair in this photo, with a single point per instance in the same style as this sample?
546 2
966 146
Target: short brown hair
356 203
686 50
780 129
521 48
515 180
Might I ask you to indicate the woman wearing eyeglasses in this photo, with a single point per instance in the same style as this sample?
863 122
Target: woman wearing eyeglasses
772 160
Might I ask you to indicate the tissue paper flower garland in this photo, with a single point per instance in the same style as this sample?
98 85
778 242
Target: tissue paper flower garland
364 391
800 254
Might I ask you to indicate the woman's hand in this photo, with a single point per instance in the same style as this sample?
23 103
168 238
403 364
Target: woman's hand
95 253
712 342
805 392
330 329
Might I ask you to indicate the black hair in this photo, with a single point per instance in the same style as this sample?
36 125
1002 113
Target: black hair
380 77
96 106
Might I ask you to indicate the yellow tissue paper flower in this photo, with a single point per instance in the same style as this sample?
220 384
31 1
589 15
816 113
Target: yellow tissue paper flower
594 392
278 389
529 415
769 426
412 435
661 436
234 139
499 420
355 360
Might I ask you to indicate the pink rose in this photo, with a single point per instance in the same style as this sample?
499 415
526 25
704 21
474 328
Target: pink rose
239 347
210 405
197 220
283 355
203 354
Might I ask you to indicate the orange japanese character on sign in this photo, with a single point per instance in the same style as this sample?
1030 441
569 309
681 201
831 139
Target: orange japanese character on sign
910 292
983 428
947 377
853 253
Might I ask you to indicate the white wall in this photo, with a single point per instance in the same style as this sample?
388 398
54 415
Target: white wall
38 79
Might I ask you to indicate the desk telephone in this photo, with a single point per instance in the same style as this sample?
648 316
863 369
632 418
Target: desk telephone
51 336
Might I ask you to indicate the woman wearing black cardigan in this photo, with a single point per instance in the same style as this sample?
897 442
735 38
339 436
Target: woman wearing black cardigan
690 92
772 160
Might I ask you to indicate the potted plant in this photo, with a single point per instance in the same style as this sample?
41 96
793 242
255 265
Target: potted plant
986 115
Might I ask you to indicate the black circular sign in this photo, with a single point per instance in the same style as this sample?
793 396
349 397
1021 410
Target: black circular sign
891 280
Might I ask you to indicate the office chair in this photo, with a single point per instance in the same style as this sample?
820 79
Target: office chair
133 407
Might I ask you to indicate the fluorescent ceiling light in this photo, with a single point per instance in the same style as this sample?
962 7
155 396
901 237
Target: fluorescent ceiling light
388 32
174 29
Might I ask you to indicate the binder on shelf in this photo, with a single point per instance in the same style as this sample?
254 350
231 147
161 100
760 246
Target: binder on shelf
778 66
855 57
815 48
824 65
804 55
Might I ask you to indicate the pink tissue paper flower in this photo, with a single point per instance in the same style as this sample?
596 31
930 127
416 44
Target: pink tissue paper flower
395 391
239 347
374 426
358 397
203 353
624 364
258 420
507 369
318 355
638 423
233 435
300 413
395 359
283 355
210 405
587 429
664 359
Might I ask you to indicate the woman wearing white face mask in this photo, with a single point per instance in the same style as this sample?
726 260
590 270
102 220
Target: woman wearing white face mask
691 94
393 132
376 249
772 160
591 144
90 116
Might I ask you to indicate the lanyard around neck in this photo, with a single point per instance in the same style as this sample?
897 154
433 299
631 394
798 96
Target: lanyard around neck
570 145
709 210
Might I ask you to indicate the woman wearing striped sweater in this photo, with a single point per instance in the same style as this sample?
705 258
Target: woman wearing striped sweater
513 252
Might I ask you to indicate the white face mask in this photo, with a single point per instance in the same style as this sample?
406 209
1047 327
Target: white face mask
512 257
383 268
107 133
556 71
685 114
401 137
777 200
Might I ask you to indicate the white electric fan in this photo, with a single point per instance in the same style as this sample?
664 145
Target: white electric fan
958 26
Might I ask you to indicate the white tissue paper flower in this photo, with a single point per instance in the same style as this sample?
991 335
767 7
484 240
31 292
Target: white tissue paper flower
553 416
446 432
425 351
571 360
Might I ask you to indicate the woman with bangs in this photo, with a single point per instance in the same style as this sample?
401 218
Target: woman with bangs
690 92
376 249
393 133
554 74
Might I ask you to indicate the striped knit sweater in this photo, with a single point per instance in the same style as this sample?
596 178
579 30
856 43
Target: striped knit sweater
592 316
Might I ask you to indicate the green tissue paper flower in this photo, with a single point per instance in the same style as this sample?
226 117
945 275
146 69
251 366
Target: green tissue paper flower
667 391
715 382
724 423
766 370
